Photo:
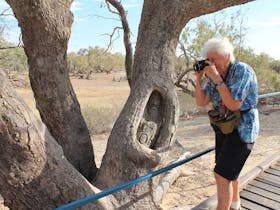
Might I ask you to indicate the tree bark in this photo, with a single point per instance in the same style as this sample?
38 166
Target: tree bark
45 27
146 126
34 174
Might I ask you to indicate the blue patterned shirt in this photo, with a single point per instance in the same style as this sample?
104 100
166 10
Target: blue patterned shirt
242 83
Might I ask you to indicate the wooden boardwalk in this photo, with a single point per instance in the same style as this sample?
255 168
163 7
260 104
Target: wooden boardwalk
263 192
260 188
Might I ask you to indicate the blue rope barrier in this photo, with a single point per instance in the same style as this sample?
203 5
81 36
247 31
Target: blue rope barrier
125 185
269 95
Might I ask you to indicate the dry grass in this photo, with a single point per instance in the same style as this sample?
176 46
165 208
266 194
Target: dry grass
101 99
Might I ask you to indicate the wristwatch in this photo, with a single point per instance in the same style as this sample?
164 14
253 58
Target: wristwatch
219 83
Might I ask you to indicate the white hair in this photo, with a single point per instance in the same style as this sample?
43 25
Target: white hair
222 46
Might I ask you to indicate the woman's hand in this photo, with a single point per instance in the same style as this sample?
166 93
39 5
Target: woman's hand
199 75
212 73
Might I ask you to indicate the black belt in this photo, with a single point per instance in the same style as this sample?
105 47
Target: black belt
247 110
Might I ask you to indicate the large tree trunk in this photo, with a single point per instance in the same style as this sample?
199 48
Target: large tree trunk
45 27
34 174
146 126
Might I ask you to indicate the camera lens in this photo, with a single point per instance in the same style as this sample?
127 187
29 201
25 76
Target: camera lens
200 65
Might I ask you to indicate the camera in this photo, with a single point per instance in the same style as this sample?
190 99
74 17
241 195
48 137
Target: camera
200 65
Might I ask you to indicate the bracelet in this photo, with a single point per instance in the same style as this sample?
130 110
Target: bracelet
219 83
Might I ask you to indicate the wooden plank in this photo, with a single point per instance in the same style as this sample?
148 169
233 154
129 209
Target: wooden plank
267 181
265 186
270 177
251 205
263 193
273 171
277 164
260 200
275 167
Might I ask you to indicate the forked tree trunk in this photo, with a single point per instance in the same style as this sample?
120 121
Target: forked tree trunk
45 27
34 174
146 127
30 166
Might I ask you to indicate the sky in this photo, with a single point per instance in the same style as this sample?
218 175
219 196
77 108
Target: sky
93 24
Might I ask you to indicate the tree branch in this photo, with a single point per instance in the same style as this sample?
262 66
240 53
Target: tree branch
180 80
111 37
128 48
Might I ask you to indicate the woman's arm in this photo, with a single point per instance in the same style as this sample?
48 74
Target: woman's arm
200 97
226 97
224 92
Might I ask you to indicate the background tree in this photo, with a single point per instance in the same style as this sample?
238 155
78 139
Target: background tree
144 130
275 65
199 30
222 24
95 60
196 33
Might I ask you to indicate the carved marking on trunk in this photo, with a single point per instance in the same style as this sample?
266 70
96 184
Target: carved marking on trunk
151 121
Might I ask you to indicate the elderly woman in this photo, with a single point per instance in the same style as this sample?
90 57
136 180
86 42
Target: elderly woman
231 87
